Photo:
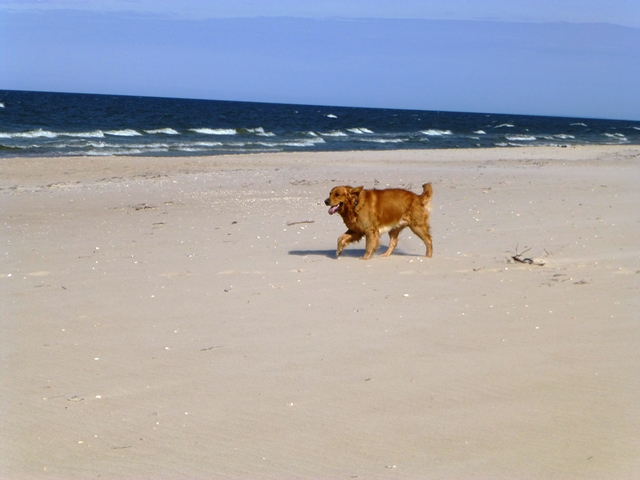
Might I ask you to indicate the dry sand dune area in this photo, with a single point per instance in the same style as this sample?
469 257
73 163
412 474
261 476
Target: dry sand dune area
186 318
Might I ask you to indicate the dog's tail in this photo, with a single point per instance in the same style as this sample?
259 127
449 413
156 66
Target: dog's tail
427 193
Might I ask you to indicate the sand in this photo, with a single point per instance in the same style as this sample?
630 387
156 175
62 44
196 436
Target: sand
186 318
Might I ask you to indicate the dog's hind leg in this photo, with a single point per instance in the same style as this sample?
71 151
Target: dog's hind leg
345 239
422 231
393 241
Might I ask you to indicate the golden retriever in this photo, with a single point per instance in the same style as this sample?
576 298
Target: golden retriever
369 213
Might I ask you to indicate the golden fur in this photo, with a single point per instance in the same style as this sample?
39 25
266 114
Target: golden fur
369 213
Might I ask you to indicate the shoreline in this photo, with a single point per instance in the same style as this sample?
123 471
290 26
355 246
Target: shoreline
61 169
185 317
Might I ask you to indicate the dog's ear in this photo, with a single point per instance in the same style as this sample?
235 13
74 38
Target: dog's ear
355 191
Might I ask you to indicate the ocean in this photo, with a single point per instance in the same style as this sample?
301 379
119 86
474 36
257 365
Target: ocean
37 124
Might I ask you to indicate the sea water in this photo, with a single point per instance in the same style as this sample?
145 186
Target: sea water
36 124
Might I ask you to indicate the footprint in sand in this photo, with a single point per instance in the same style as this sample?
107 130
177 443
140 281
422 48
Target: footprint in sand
176 274
243 272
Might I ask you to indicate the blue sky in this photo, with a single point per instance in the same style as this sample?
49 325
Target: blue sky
543 57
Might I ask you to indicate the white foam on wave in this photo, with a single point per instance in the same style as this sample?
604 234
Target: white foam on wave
335 133
260 132
360 130
636 128
165 131
504 125
137 146
99 145
617 136
93 134
200 144
105 149
564 136
303 143
520 138
436 133
383 140
215 131
579 124
38 133
293 143
115 152
331 115
193 149
127 132
98 153
480 132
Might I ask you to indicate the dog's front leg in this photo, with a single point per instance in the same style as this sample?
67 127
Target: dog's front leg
342 242
345 239
373 239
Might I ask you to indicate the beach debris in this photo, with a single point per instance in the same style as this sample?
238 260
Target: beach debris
303 182
289 224
143 206
520 258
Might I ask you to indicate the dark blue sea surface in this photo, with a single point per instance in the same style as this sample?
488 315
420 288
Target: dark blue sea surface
36 124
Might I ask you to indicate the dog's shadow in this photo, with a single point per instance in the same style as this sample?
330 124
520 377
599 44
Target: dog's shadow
326 253
354 253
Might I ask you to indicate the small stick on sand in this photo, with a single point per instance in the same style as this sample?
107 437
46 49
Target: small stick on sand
518 257
289 224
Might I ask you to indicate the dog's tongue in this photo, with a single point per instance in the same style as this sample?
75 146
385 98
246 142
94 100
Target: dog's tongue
334 209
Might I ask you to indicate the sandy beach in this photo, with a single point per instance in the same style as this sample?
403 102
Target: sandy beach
186 318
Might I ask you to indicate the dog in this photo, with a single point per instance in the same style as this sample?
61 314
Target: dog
370 213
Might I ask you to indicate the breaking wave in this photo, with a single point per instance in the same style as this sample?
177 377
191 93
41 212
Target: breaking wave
127 132
166 131
214 131
436 133
360 130
520 138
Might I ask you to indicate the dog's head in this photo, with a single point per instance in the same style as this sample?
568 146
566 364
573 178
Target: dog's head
341 198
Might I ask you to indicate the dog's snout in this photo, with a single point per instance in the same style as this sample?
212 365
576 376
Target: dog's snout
326 202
